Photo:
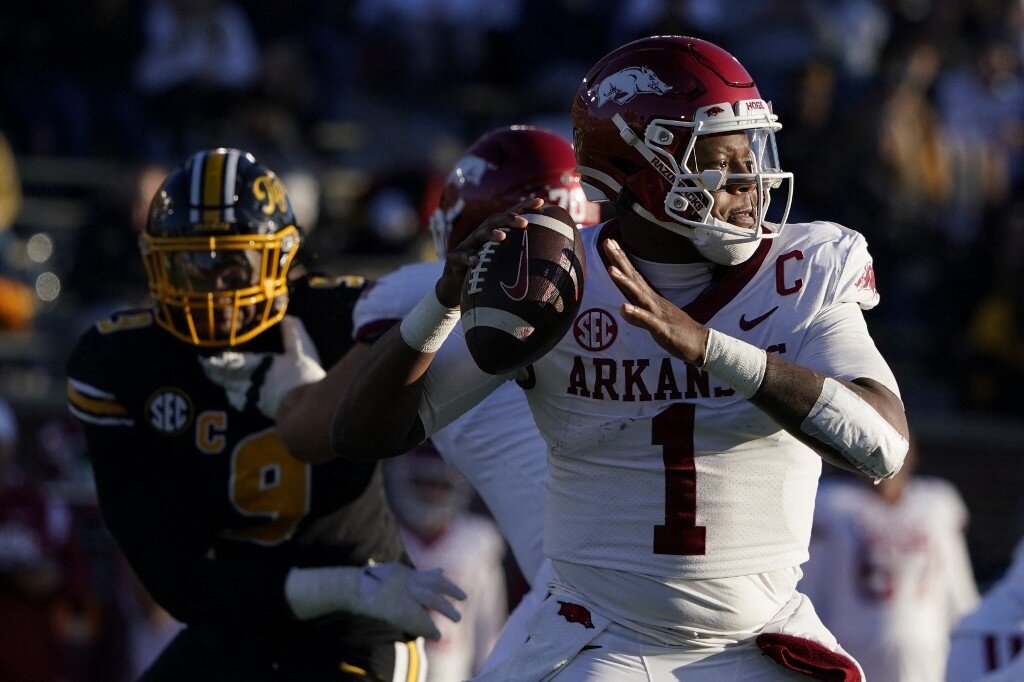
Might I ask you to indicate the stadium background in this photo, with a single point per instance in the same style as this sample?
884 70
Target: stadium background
903 119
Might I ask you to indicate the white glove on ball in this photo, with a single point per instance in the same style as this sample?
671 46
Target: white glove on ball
391 592
298 364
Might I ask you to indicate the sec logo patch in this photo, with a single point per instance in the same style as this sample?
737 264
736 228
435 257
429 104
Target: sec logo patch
169 411
594 329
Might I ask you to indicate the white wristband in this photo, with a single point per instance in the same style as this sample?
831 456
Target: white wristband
737 363
428 324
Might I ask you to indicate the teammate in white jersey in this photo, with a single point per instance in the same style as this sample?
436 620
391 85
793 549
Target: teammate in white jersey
988 643
685 410
889 572
496 446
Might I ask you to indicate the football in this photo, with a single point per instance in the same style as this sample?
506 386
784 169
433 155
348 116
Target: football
520 298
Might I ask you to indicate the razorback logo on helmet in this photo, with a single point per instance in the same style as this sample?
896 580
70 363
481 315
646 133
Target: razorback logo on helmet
624 85
469 169
714 111
866 280
574 613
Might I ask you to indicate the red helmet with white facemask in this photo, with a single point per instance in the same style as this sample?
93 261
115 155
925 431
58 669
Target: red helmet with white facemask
502 168
637 117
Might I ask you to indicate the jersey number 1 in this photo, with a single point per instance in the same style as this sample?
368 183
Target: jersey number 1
673 431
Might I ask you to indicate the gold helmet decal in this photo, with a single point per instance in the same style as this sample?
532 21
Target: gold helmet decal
270 189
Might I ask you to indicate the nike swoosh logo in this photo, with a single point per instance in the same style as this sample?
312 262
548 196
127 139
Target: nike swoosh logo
746 325
517 290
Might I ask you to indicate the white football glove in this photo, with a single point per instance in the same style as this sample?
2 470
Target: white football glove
391 592
298 364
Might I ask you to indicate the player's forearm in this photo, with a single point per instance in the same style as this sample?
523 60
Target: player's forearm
201 591
305 414
789 394
377 415
857 425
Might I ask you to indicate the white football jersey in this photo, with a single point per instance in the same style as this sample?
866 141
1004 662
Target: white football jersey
470 551
891 580
656 468
992 635
495 445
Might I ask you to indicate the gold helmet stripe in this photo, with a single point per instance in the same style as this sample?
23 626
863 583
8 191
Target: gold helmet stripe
213 186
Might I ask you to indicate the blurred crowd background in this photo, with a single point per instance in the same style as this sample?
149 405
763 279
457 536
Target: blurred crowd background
903 119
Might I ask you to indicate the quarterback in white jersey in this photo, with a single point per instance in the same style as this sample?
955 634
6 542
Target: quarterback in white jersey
989 641
889 572
715 358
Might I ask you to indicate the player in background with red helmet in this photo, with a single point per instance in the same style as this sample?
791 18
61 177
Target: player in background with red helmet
496 446
685 439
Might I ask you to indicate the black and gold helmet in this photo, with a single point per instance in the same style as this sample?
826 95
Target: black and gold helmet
220 238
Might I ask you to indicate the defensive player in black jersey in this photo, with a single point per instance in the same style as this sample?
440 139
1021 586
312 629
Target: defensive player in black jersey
281 570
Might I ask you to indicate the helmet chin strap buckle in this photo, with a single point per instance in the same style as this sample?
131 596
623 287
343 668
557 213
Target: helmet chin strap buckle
626 133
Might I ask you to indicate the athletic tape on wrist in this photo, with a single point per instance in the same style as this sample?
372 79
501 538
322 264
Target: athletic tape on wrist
428 324
844 421
740 365
314 592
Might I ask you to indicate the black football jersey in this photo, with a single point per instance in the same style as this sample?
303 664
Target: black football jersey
206 502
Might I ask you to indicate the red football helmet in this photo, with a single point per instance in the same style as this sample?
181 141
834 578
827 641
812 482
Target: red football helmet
639 113
501 168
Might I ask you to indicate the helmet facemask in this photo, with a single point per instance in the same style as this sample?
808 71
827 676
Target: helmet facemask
695 177
217 291
442 222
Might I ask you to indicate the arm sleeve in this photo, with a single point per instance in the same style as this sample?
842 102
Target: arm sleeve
453 384
838 344
157 516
